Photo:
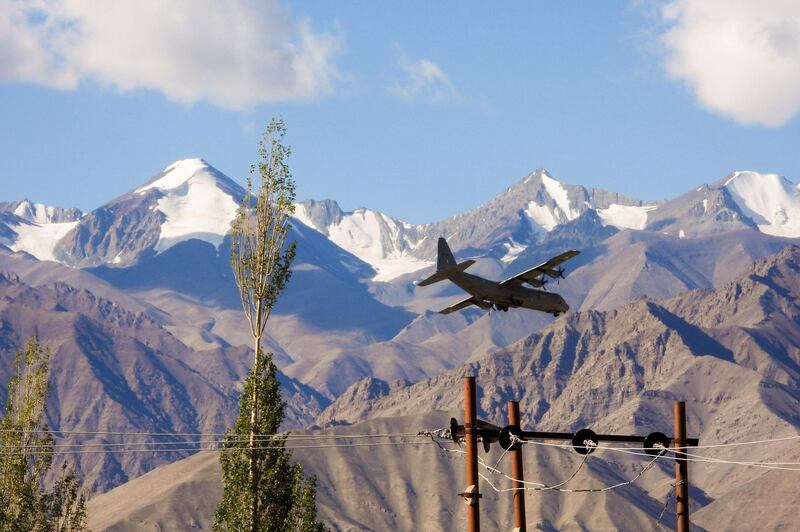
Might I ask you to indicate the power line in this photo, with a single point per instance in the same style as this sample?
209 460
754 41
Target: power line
444 433
196 449
540 487
766 465
691 457
182 442
172 446
211 434
755 442
712 446
670 494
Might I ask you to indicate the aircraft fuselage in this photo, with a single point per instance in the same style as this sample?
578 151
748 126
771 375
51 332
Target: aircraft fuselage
515 296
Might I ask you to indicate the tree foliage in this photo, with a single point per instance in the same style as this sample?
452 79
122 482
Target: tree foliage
27 454
263 490
65 505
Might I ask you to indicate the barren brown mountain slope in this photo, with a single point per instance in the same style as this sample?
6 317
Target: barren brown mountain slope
731 353
114 369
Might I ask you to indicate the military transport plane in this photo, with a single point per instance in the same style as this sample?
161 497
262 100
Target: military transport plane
504 294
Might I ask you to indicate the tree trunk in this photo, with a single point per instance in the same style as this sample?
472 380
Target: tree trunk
252 474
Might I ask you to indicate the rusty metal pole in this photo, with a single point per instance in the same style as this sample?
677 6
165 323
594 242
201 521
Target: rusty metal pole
681 468
516 472
472 494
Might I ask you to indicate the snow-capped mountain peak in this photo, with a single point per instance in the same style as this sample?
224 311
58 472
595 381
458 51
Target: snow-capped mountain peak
36 228
770 200
40 213
189 199
383 242
551 205
197 201
176 174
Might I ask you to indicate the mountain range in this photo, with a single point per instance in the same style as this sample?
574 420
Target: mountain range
137 301
732 353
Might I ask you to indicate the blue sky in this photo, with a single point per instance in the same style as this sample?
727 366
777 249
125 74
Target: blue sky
420 109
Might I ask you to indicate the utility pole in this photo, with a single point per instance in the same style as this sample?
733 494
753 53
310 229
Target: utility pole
681 468
584 441
516 472
471 494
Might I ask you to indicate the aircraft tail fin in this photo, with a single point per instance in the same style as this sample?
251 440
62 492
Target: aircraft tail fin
445 265
445 258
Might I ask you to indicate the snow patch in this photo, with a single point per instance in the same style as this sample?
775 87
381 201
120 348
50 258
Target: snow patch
193 203
35 212
771 201
390 269
40 239
625 216
512 251
176 175
301 215
549 216
541 215
730 179
559 194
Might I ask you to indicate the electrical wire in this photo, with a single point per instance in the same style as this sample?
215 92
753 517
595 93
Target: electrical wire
755 442
216 434
711 446
691 457
538 485
195 449
670 494
404 434
711 459
289 438
576 490
243 439
514 439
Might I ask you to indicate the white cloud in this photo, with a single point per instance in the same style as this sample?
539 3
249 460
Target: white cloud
425 81
233 54
741 58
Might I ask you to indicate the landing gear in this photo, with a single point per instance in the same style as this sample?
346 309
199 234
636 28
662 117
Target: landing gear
556 314
504 308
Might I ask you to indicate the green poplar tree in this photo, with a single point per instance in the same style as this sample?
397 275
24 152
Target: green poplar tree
26 454
263 490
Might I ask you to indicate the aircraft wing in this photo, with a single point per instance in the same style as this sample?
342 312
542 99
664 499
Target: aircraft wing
534 276
464 303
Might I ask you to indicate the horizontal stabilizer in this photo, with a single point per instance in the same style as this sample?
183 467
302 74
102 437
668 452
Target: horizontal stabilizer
435 278
441 275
